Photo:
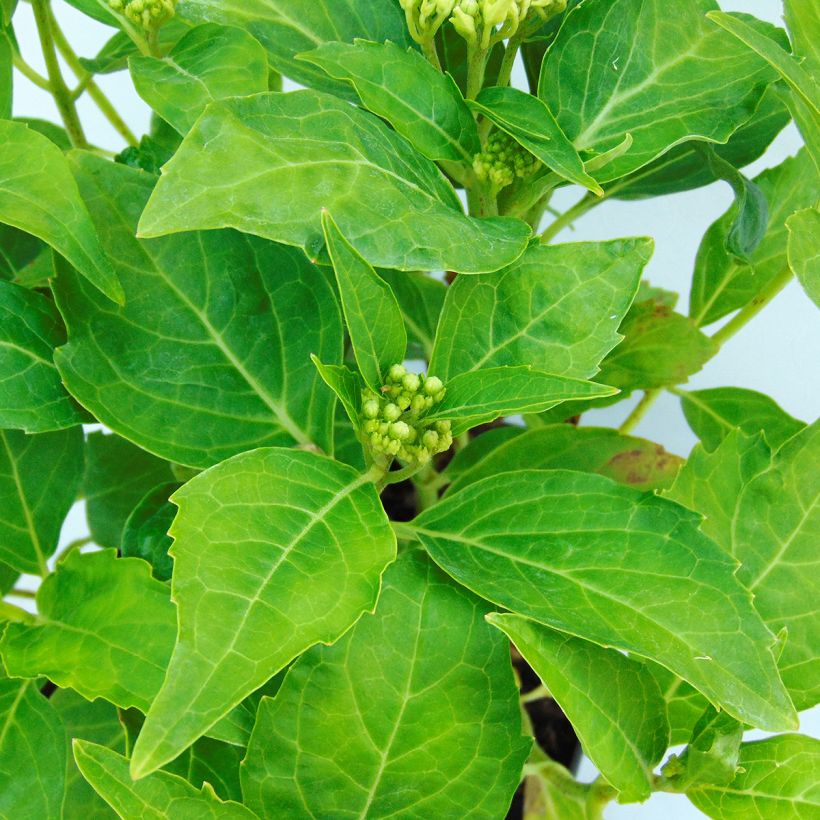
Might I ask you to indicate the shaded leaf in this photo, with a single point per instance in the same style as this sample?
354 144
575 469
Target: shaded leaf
684 704
19 251
804 250
313 151
145 534
347 384
421 299
551 791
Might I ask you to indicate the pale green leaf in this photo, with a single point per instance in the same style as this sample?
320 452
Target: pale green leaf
39 478
639 463
803 20
804 250
413 714
288 27
32 753
158 797
483 395
117 477
621 67
613 703
529 122
38 196
422 104
684 704
558 308
105 628
722 283
274 551
210 355
145 534
714 413
777 778
295 154
775 536
32 397
372 314
209 63
607 563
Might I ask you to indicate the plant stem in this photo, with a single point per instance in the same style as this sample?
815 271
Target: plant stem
404 531
539 693
59 90
428 48
87 83
30 74
640 410
23 593
585 204
476 63
507 63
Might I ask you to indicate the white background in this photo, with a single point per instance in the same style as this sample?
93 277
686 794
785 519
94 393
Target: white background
777 353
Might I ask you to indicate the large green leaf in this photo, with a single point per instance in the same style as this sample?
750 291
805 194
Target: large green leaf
530 123
162 795
623 728
607 563
775 536
351 715
714 413
105 628
804 250
722 283
803 20
639 463
32 397
117 477
422 104
209 63
558 308
288 27
39 479
372 314
38 195
32 753
777 778
274 551
210 355
621 67
297 153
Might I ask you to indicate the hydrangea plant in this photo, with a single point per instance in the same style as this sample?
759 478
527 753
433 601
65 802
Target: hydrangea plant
348 543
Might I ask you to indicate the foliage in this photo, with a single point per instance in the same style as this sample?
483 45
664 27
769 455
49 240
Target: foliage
341 480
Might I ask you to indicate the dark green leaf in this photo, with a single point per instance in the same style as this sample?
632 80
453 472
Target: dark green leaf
7 8
258 551
145 534
32 397
39 479
18 251
351 715
298 153
590 557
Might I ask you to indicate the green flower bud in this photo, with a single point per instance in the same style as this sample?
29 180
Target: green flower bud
403 401
400 430
391 412
430 440
371 426
149 15
433 385
418 405
411 382
397 372
392 447
371 408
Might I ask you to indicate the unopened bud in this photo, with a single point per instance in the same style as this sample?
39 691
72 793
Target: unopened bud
433 385
371 408
400 430
397 372
391 412
411 382
430 440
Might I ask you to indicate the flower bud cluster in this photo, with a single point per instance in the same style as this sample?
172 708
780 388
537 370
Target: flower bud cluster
147 14
425 17
502 160
393 421
489 21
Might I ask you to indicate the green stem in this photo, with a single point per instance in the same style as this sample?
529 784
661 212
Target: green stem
634 418
23 593
59 90
428 48
539 693
87 83
476 64
507 63
587 203
404 531
30 74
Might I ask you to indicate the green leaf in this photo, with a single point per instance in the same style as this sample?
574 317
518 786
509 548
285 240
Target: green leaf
421 299
145 534
7 8
6 75
279 515
422 104
483 395
804 250
38 195
96 721
347 384
209 63
18 251
53 132
350 715
623 729
639 463
117 476
298 153
159 796
721 283
32 397
552 792
590 557
775 536
8 577
371 311
105 629
32 753
39 479
631 67
684 704
530 123
711 483
558 308
97 9
714 413
803 20
233 318
289 27
777 778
